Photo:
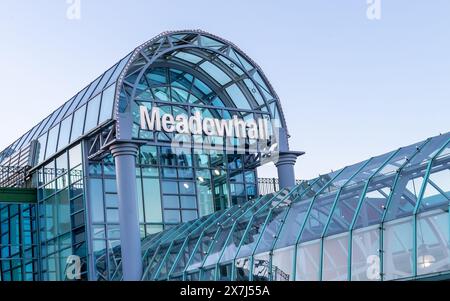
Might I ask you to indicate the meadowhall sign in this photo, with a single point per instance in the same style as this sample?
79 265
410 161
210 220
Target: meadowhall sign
196 125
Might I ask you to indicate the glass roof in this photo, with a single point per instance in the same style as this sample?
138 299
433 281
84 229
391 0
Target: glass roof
58 125
354 198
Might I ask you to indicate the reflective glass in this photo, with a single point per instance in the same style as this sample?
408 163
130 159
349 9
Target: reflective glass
308 261
282 263
365 254
335 258
78 124
433 242
397 246
238 97
107 104
52 142
92 114
64 133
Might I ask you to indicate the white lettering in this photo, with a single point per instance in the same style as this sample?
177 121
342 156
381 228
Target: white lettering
196 125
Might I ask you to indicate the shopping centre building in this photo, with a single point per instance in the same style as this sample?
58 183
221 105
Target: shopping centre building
150 173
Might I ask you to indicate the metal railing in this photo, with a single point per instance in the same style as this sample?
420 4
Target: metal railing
270 185
14 176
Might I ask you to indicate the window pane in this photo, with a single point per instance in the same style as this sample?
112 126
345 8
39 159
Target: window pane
171 216
433 242
92 114
107 104
64 133
188 215
78 123
52 141
282 263
398 244
238 97
308 261
75 156
171 201
40 148
188 202
152 200
335 258
96 200
365 256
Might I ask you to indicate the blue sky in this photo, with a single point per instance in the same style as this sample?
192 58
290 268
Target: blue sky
351 88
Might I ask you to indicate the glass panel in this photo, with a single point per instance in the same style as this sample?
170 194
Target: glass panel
433 242
261 267
92 114
215 72
293 224
64 133
75 156
107 104
188 57
335 258
78 123
40 148
365 255
152 200
437 190
308 261
52 142
96 200
398 244
282 264
238 97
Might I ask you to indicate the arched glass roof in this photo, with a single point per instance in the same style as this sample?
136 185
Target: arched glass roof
212 71
199 69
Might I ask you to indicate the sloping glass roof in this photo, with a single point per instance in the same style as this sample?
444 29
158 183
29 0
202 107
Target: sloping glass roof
69 122
313 231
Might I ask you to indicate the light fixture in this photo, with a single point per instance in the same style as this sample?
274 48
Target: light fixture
186 185
217 172
201 179
425 261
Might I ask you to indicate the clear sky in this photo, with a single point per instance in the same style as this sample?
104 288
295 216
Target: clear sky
351 87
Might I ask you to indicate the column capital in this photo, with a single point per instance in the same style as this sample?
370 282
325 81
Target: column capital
288 158
124 148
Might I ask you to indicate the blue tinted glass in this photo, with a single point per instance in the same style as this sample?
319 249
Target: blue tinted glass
118 70
238 97
215 72
171 216
92 114
64 110
104 80
77 100
107 104
88 94
157 76
170 187
188 215
40 148
49 123
64 133
188 57
78 122
52 141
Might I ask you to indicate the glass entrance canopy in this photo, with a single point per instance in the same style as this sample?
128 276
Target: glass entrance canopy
382 219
